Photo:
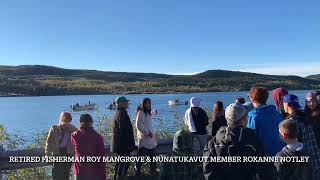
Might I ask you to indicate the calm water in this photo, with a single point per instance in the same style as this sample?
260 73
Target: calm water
26 115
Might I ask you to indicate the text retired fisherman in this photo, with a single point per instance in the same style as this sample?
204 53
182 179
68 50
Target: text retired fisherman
159 159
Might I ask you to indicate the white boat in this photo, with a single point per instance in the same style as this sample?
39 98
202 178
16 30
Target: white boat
177 102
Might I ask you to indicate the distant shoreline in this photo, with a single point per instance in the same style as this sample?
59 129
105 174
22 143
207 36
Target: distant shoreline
128 93
133 93
37 80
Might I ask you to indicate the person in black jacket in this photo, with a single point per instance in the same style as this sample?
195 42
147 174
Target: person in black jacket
122 141
289 132
218 118
197 120
236 140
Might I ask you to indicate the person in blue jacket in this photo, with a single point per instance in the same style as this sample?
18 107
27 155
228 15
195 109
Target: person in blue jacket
264 120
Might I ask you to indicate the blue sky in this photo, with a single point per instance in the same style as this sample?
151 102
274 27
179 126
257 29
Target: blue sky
163 36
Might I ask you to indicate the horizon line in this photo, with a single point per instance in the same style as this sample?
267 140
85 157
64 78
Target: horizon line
256 70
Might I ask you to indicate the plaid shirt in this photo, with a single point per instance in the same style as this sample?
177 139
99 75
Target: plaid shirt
308 138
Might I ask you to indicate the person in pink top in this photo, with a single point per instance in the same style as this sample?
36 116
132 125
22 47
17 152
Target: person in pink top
87 142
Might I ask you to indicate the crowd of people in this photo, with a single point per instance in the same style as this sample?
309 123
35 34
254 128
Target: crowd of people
252 128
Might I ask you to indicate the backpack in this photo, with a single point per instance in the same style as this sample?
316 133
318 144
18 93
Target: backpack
236 149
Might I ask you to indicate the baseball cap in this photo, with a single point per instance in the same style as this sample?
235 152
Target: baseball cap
121 99
292 100
235 111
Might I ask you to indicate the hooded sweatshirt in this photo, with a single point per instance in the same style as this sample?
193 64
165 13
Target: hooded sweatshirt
196 118
277 95
264 121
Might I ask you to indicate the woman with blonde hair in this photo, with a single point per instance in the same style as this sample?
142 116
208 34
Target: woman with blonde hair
58 143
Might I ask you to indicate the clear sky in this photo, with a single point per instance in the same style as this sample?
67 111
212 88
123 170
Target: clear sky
163 36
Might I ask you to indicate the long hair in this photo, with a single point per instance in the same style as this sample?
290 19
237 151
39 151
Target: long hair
142 107
218 107
65 117
312 114
85 121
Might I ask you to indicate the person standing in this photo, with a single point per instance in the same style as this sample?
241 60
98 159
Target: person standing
197 120
289 132
306 133
87 142
218 119
277 96
264 120
146 135
58 143
182 146
312 110
236 140
122 140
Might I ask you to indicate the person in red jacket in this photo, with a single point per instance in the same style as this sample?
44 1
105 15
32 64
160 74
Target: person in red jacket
87 142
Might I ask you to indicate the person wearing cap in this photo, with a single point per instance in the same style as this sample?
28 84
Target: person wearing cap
235 140
182 146
277 96
306 133
289 132
312 110
122 140
58 143
197 120
264 120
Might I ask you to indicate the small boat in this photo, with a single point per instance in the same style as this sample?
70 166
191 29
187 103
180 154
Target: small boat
177 102
86 107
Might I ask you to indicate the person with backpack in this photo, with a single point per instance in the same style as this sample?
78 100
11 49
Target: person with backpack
306 132
182 146
197 120
122 140
146 136
289 132
264 120
236 140
58 143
